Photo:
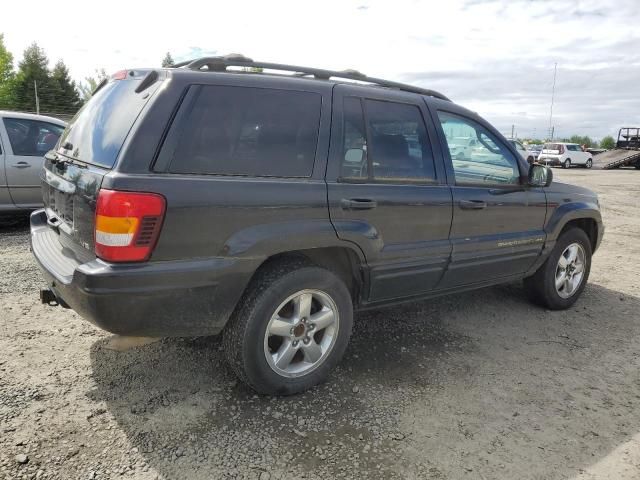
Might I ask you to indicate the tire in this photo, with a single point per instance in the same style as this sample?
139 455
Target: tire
541 286
567 163
246 342
589 163
530 160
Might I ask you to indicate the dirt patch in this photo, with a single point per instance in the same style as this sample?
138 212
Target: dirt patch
481 385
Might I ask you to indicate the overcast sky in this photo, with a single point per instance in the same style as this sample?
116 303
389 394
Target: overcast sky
494 57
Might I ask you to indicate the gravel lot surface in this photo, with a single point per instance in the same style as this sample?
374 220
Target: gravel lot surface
480 386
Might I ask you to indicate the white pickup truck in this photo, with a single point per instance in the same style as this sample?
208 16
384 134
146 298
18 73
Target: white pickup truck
24 139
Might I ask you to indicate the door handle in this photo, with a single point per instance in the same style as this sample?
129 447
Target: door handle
21 165
358 204
472 204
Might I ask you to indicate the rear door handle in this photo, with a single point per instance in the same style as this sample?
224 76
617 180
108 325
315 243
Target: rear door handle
21 165
472 204
358 204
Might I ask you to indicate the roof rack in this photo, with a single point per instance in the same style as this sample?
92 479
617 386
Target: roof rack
220 64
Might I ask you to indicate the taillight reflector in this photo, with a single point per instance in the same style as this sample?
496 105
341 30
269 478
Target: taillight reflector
127 225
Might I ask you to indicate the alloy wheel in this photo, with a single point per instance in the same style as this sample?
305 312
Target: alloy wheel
570 270
301 333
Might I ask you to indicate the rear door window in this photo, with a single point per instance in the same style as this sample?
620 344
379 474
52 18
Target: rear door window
390 146
247 131
31 138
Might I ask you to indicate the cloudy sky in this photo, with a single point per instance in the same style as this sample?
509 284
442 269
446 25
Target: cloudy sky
494 56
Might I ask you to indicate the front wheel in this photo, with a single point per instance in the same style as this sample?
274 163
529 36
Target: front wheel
291 328
589 163
567 163
563 276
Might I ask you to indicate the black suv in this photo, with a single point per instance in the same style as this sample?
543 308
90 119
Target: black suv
266 202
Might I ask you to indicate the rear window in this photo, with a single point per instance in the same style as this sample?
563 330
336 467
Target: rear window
97 132
551 146
247 131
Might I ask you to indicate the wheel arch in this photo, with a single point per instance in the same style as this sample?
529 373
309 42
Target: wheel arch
343 261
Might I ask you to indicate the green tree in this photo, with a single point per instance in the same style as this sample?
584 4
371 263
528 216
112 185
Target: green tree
608 142
6 76
167 61
33 71
582 140
91 83
66 94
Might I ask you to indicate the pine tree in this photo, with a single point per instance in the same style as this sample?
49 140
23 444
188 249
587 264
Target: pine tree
167 61
31 70
66 95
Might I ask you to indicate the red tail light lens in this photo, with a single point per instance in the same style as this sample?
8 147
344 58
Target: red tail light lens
127 225
119 75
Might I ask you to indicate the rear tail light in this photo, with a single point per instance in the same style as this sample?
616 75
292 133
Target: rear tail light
561 149
127 225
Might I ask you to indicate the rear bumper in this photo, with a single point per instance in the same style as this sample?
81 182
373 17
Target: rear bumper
549 160
173 298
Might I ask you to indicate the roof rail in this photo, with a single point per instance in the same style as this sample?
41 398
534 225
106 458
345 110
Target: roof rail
220 64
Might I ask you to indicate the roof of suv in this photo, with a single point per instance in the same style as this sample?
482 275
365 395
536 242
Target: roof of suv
247 65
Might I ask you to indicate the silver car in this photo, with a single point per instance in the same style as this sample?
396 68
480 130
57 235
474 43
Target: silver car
24 139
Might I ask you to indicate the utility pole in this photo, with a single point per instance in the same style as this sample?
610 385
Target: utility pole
35 86
512 127
553 92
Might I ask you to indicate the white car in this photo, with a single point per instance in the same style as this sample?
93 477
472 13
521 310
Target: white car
24 139
527 155
565 154
462 147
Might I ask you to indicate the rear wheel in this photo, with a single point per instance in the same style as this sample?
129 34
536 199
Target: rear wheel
291 329
589 163
567 163
563 276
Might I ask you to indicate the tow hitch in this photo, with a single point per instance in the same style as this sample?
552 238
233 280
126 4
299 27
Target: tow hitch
49 297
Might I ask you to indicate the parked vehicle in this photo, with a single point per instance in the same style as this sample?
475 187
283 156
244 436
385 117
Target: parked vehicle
626 153
198 200
24 139
535 151
526 154
565 155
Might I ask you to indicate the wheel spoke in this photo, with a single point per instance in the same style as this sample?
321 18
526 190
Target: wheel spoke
323 318
560 280
280 327
579 268
562 262
284 355
573 253
312 352
568 286
302 305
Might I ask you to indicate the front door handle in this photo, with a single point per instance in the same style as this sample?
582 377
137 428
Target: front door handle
472 204
358 204
21 165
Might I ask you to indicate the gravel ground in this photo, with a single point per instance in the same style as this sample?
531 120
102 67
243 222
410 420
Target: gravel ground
481 386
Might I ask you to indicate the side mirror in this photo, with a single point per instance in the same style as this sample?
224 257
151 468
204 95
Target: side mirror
354 155
540 176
